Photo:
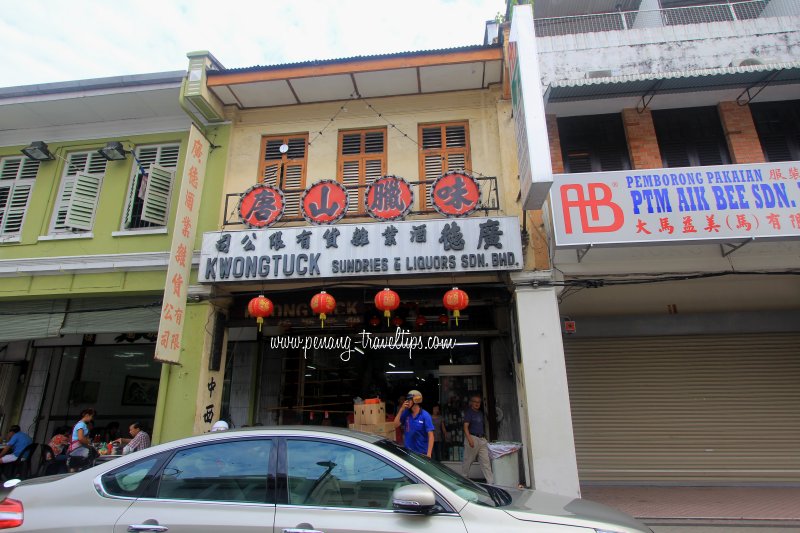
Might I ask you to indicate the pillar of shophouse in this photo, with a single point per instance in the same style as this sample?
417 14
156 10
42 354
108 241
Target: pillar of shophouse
543 393
190 394
740 132
640 133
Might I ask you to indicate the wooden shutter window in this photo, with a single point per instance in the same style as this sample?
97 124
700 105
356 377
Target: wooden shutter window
155 207
445 147
691 137
17 175
593 143
150 208
83 202
286 172
778 127
362 159
78 215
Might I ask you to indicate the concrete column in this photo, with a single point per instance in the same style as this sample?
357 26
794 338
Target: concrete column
546 418
740 132
640 133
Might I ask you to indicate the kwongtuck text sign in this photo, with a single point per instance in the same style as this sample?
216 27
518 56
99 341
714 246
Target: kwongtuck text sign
372 249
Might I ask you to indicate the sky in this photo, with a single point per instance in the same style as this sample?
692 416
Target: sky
44 41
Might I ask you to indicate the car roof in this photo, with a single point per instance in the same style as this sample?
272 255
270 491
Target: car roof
275 431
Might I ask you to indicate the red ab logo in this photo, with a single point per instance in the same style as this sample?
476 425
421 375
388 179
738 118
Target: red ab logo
589 206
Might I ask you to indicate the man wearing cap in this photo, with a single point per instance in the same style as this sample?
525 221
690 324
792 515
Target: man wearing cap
418 424
476 445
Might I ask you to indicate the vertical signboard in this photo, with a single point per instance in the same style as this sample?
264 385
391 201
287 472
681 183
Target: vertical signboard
173 310
533 146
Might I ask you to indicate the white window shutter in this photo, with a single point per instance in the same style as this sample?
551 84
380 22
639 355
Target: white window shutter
157 194
83 201
12 223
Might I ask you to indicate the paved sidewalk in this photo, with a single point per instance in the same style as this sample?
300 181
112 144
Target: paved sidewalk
705 509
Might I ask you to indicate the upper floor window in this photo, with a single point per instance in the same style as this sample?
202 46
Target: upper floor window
445 147
362 159
80 191
151 183
17 175
691 137
778 126
593 143
283 166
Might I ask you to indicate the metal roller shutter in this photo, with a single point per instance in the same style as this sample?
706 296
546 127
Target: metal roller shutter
686 408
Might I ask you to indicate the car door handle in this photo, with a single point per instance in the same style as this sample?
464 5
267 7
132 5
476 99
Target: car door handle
133 528
298 530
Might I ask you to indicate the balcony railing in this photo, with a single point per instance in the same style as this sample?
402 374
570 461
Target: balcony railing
489 202
675 16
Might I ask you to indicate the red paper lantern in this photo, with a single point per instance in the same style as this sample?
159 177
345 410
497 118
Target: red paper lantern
421 321
323 304
443 319
374 321
260 307
397 321
455 300
387 301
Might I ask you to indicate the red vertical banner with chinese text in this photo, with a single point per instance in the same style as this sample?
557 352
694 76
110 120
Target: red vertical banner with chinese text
173 309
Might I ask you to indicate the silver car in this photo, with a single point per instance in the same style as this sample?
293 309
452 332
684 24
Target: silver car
289 480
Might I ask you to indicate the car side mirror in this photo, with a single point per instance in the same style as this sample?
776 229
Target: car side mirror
415 498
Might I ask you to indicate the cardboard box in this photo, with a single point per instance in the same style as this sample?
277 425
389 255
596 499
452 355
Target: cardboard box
370 413
384 429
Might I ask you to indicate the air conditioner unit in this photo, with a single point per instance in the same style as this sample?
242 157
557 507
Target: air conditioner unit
600 74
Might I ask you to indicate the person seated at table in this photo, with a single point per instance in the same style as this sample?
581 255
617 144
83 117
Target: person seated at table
60 440
111 432
140 440
17 442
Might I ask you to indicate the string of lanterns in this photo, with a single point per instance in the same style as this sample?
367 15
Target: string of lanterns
387 300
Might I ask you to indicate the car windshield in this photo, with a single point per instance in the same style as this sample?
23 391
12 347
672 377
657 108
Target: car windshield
463 487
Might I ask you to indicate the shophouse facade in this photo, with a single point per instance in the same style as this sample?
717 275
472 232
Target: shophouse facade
90 180
357 175
674 226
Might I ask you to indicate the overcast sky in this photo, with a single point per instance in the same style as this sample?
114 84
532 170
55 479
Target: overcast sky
44 41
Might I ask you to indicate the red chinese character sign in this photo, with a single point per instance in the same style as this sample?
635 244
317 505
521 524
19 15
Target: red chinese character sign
389 198
261 206
455 194
171 340
324 202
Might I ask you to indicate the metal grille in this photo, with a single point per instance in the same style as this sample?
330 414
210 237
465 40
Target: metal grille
676 16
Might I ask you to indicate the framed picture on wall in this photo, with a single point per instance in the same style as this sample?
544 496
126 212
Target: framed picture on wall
139 391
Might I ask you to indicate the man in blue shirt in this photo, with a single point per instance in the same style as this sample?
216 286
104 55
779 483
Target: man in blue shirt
417 424
17 442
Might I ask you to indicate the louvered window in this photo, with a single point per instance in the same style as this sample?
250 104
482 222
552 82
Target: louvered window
445 147
285 170
151 185
17 175
593 143
80 191
362 159
778 127
691 137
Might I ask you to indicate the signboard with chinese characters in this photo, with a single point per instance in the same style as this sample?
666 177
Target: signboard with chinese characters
324 202
173 310
261 206
715 203
455 194
430 246
389 198
533 145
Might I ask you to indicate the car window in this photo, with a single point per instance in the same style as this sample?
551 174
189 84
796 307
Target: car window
232 471
333 475
465 488
130 480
